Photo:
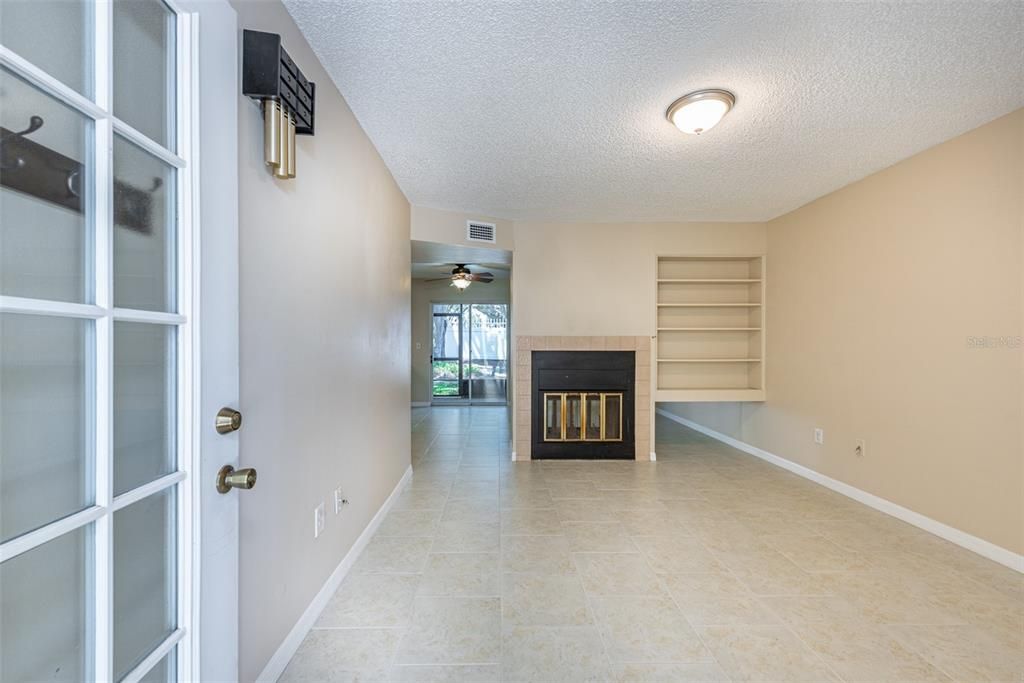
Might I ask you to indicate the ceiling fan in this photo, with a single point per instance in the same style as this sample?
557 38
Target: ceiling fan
462 277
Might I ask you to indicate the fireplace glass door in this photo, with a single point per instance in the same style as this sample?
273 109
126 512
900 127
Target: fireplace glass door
469 353
582 416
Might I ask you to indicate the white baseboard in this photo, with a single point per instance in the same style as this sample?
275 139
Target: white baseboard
961 538
275 667
421 404
654 456
513 456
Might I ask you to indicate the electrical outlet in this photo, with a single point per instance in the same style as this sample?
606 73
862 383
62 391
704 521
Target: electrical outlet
339 500
860 449
319 520
819 435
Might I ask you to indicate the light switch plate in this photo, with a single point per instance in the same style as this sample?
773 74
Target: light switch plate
319 520
819 435
340 500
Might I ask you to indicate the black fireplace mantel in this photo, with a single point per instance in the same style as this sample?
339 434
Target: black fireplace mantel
577 372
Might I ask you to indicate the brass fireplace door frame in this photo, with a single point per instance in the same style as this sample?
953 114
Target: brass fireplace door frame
582 395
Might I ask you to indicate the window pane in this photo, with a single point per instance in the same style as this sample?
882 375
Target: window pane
144 401
45 602
144 230
45 421
144 68
45 200
55 35
144 578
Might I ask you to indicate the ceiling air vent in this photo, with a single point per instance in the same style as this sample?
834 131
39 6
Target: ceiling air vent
480 232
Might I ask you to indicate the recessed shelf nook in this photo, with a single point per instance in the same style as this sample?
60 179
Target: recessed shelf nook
710 328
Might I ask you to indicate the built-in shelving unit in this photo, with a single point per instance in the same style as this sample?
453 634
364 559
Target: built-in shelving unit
710 344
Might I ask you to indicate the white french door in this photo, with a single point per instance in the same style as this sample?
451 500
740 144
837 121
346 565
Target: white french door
97 341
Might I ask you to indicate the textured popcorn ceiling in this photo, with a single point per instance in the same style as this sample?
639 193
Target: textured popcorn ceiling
554 110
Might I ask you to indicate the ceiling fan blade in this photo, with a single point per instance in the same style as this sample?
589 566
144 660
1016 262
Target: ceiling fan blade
438 279
482 277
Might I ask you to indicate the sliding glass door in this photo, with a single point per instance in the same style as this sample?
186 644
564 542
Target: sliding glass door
469 359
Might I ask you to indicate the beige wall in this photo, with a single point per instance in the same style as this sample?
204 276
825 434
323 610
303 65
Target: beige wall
597 278
423 295
874 294
324 349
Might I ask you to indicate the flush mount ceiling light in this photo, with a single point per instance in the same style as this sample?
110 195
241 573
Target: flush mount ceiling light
700 111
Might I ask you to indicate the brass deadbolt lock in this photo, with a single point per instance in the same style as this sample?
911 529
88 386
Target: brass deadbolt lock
228 420
229 478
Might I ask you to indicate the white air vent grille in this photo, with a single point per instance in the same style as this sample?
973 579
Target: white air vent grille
480 232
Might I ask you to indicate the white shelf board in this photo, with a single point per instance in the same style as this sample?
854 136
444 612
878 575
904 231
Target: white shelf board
718 305
709 329
709 360
707 281
710 395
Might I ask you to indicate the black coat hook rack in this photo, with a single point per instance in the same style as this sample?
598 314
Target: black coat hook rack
38 171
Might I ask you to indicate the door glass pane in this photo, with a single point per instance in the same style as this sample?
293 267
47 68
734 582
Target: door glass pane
552 417
446 336
144 69
144 578
45 202
55 35
446 377
164 670
45 421
613 417
593 428
573 417
144 230
45 602
446 366
144 402
488 370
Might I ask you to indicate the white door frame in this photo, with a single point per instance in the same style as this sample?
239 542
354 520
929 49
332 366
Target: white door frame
214 582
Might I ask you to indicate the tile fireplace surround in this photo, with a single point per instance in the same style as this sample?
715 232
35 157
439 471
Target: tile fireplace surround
524 372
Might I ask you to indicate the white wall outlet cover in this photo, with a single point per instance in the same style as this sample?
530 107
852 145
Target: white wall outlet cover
819 435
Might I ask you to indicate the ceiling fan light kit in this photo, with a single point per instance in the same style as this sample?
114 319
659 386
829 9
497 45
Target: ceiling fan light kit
462 277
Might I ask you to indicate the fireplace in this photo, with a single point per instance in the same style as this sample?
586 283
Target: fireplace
583 405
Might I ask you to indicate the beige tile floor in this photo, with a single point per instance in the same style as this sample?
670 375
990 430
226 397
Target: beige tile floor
708 565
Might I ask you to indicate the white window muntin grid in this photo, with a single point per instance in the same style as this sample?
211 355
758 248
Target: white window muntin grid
104 314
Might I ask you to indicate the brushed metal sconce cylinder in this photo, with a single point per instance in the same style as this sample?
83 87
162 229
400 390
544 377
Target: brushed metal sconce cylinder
281 170
291 146
272 132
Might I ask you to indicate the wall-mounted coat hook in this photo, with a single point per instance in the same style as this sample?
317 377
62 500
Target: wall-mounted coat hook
34 124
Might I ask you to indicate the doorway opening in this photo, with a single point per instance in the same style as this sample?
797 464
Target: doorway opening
469 353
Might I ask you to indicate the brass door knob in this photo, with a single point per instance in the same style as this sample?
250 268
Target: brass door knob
228 420
229 478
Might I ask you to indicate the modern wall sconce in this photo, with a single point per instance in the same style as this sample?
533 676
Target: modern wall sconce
286 97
